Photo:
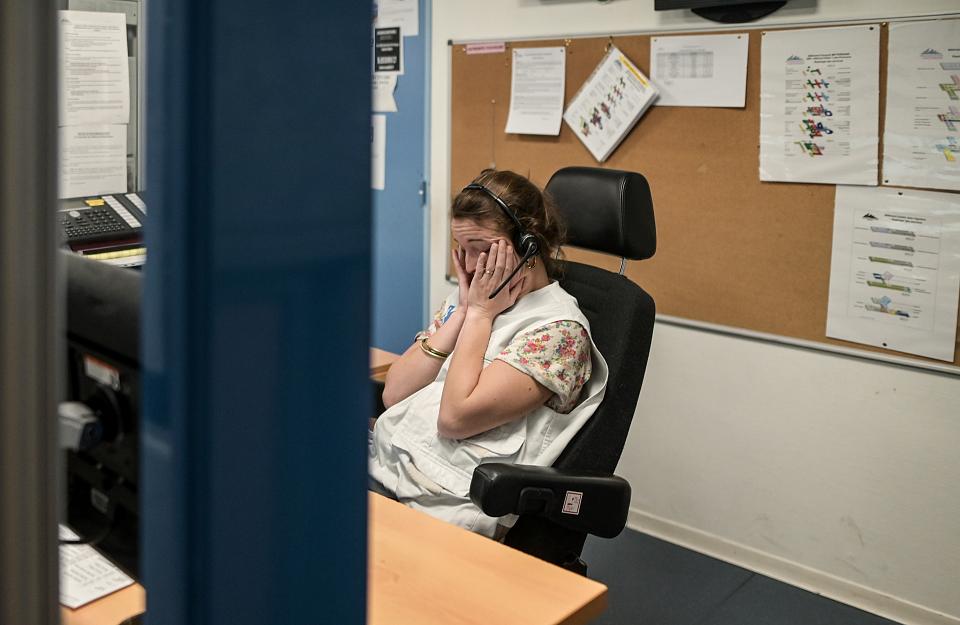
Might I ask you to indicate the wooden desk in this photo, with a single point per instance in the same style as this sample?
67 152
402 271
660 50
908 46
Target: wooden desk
423 571
380 361
110 610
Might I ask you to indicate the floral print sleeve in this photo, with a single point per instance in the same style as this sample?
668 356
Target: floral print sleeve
557 356
442 314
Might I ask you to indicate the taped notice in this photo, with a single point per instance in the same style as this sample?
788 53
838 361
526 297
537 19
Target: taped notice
485 48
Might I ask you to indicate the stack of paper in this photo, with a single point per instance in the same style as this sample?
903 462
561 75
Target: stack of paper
85 575
94 101
608 105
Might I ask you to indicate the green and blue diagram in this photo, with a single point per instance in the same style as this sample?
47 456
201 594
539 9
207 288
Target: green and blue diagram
950 148
890 261
815 94
819 111
885 281
952 88
814 128
810 148
951 118
883 305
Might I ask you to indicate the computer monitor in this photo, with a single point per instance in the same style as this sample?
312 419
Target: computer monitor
103 381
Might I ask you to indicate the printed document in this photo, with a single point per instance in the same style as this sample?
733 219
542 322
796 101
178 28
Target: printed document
85 574
921 136
402 13
383 88
707 70
536 91
609 104
819 105
895 270
93 160
94 84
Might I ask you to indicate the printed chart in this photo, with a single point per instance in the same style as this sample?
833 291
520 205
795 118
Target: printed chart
895 270
609 103
921 139
819 105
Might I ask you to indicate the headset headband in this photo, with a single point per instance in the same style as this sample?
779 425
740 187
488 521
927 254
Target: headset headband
500 203
527 244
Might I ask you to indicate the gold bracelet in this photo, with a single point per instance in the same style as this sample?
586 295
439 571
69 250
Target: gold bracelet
429 351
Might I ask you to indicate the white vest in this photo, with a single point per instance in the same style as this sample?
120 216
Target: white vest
433 473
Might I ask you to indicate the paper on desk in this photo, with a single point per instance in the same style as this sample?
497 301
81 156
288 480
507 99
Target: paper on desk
93 160
85 574
94 83
705 70
895 270
536 91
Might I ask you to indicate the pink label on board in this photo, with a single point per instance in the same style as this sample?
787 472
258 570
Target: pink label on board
485 48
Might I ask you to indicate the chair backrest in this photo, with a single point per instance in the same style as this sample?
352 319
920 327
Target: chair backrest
608 211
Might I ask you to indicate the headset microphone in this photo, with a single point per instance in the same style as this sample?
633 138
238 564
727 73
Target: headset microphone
532 249
525 243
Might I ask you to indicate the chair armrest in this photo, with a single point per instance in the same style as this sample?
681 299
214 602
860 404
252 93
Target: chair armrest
586 502
376 389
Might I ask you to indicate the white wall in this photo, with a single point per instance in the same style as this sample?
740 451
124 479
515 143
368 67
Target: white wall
832 473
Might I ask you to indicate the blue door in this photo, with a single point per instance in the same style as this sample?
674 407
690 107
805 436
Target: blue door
400 223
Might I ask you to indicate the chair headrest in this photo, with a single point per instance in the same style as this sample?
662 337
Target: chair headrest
606 210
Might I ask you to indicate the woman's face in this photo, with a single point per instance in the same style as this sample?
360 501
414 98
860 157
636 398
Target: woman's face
474 238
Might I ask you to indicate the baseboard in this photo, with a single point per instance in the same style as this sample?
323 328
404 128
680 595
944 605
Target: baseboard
815 581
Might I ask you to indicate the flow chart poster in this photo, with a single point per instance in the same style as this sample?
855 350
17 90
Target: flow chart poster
921 138
895 270
819 105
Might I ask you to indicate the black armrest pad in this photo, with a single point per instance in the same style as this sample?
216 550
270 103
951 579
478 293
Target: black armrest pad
376 387
592 503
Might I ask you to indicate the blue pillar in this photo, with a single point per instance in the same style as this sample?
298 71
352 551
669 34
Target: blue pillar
256 312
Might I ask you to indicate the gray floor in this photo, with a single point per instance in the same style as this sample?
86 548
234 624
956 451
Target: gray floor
653 582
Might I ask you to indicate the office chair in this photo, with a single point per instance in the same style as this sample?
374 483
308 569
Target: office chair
607 211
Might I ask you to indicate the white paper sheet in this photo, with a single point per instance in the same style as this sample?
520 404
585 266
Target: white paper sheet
921 136
378 151
85 575
819 105
609 104
93 160
402 13
706 70
536 91
94 84
895 270
383 88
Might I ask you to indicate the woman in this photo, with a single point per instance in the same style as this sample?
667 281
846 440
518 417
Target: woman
506 376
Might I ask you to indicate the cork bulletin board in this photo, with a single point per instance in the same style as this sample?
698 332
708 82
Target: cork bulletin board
732 251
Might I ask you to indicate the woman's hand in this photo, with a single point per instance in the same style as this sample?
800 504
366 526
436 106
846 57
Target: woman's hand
463 278
492 268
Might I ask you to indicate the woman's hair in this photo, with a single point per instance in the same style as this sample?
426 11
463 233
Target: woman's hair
533 208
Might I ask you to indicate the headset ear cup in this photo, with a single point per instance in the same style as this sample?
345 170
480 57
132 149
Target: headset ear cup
527 245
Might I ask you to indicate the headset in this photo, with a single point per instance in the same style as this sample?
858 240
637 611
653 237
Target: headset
525 243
